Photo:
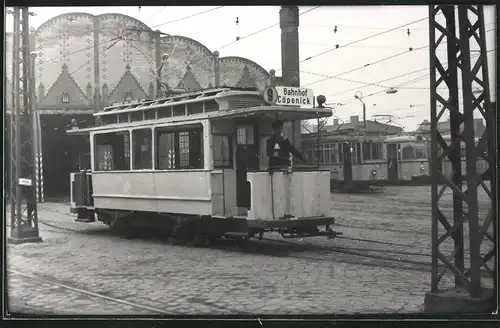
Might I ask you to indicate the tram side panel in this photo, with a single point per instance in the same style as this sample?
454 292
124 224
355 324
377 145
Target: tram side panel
301 194
159 191
223 191
412 169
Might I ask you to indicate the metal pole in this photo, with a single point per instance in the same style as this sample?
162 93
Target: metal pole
455 156
364 118
471 73
317 144
23 162
468 31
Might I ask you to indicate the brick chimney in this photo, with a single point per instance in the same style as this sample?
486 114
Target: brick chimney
289 24
355 120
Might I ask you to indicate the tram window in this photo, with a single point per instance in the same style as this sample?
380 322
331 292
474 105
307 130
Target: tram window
123 118
142 149
195 108
314 153
112 151
109 119
211 106
321 154
164 112
333 153
136 116
149 114
166 151
179 110
222 151
356 152
181 149
372 151
245 135
421 153
408 152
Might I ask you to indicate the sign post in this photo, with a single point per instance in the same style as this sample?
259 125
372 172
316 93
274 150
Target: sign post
289 96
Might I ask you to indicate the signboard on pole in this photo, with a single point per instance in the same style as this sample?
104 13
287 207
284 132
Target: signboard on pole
289 96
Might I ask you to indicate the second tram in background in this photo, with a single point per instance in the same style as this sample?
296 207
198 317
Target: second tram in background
388 160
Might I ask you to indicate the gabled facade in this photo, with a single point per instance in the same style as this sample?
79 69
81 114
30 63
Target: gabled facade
127 89
64 93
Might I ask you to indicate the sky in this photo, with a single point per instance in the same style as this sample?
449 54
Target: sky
318 38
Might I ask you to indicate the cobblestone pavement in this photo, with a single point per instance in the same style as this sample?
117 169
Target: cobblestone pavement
186 280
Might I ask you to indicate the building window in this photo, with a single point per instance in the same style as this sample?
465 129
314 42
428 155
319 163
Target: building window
128 96
112 151
142 148
222 151
65 98
180 149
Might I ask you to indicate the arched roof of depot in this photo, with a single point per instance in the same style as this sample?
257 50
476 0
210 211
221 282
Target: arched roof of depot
193 42
245 61
58 18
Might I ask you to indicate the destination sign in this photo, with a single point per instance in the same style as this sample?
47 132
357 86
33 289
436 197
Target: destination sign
290 96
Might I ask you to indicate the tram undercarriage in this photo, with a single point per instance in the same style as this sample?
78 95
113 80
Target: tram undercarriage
202 230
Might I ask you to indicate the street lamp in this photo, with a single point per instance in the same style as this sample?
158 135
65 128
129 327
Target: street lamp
391 91
358 95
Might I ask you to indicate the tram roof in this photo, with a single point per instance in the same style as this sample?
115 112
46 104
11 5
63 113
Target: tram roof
270 112
405 139
181 99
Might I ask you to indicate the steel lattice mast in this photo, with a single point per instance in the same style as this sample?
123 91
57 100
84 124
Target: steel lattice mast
480 247
24 217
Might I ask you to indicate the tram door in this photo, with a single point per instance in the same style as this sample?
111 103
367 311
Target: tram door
347 164
392 162
246 159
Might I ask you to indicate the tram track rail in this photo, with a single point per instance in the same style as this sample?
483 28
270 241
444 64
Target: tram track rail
151 309
88 293
397 250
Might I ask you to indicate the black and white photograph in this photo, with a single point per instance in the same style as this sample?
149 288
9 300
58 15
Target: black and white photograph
252 160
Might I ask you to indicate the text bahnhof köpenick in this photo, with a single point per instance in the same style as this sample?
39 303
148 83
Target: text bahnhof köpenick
294 96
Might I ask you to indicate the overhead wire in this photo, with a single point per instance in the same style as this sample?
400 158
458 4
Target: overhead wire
391 78
241 38
366 65
100 53
250 35
362 39
187 17
75 52
367 27
156 13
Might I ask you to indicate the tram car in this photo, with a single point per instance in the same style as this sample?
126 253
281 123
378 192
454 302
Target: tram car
195 166
412 154
390 160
